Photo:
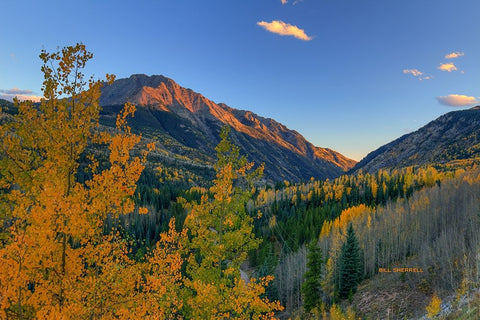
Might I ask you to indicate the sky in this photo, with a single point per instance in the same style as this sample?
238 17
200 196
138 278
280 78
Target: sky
350 75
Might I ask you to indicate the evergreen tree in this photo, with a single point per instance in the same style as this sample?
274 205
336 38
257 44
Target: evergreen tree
311 288
349 265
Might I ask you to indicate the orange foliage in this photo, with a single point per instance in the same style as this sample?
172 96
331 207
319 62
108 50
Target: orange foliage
56 260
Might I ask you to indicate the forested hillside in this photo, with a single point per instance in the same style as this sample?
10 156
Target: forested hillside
293 215
433 229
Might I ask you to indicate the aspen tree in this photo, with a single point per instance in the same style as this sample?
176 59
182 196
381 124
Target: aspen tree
222 236
55 259
434 306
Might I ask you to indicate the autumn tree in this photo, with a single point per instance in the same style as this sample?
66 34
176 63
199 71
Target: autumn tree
336 313
328 281
311 288
434 306
161 280
56 260
221 237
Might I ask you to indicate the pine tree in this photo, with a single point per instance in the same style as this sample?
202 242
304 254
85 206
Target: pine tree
311 288
349 265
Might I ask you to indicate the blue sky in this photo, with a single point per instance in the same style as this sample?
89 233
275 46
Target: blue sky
350 75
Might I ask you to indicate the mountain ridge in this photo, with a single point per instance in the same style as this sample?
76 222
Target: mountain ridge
452 136
162 95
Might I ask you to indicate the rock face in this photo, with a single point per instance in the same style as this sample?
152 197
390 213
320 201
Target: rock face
193 124
453 136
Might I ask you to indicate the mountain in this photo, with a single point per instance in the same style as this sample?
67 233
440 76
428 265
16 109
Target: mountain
453 136
187 124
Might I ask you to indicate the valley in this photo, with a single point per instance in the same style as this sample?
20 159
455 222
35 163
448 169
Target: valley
140 198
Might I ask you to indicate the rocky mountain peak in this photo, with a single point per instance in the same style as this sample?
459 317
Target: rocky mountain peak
284 151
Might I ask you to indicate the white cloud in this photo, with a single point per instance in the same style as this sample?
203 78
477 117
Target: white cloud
447 67
414 72
284 29
457 100
454 55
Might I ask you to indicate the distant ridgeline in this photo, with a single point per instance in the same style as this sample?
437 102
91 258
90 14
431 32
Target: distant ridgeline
452 137
294 213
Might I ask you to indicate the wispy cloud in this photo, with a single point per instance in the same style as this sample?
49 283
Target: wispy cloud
14 91
21 94
284 29
457 100
447 67
417 73
295 2
414 72
454 55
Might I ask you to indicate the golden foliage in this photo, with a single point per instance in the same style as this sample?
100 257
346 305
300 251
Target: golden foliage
222 235
350 215
434 307
56 260
336 313
160 297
